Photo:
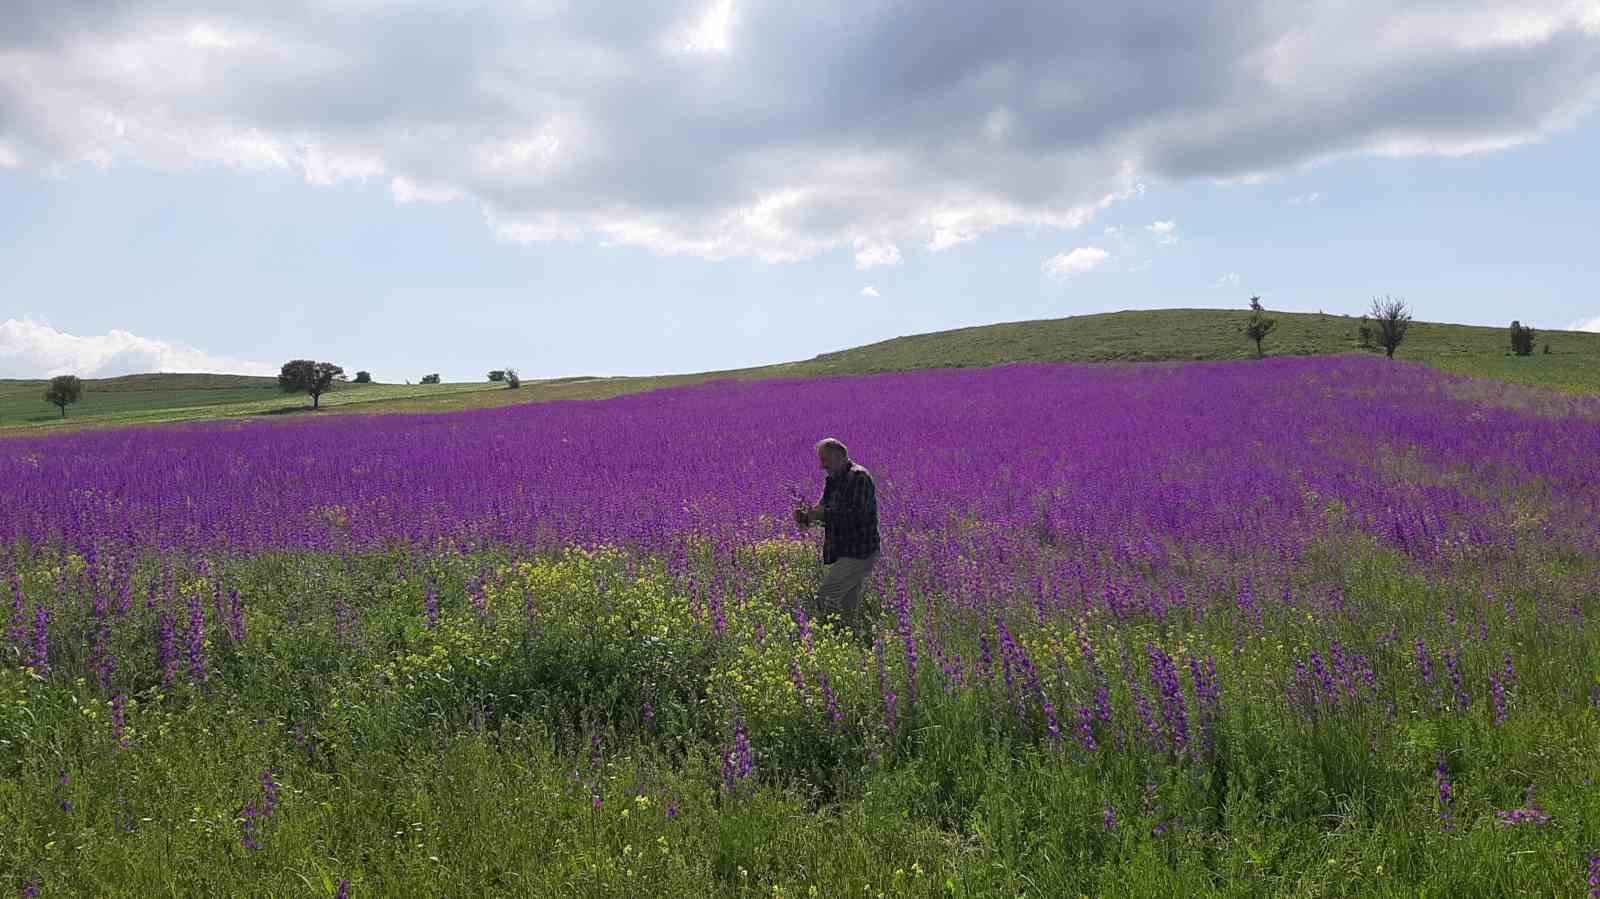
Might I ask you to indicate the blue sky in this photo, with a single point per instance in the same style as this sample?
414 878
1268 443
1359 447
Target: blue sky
194 239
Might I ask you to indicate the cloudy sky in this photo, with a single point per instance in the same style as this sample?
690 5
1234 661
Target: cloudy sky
619 188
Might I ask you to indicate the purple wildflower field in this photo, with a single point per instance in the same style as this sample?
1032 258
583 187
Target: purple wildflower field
1297 626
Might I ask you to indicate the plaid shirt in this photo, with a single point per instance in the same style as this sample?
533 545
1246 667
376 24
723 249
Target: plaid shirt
849 515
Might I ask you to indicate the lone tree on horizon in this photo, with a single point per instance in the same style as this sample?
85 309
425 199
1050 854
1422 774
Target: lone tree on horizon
1390 319
315 378
1259 325
63 389
1522 339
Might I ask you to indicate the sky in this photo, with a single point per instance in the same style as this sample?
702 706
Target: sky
607 188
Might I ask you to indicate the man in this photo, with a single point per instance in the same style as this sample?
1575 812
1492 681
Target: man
849 517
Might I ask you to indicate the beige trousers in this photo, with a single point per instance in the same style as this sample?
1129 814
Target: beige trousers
841 588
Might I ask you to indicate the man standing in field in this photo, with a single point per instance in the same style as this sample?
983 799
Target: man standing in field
849 517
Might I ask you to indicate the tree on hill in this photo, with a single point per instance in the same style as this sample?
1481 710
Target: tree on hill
63 390
1391 319
363 377
497 375
1259 325
431 379
307 376
513 381
1521 339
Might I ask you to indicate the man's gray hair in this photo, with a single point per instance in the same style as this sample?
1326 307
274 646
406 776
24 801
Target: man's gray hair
833 445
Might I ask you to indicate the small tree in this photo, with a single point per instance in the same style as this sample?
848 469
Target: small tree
1391 321
1364 334
1259 325
497 375
1521 339
363 377
512 380
63 390
307 376
431 379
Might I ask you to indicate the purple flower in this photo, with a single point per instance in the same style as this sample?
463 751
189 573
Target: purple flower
831 701
737 761
118 720
1594 876
196 637
1497 700
1108 816
1085 728
430 606
167 648
343 892
1424 663
1446 790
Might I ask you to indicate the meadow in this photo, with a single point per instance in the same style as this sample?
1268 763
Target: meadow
1299 627
1572 365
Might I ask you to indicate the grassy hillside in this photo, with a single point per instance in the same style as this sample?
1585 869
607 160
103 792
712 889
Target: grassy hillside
149 398
1193 334
1573 365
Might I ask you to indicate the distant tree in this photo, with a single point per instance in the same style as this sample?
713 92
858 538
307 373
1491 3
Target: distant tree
497 375
431 379
1259 325
513 381
1365 334
307 376
363 377
1521 339
63 390
1547 347
1392 319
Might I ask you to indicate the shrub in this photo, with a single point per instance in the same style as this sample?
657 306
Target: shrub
63 389
1521 339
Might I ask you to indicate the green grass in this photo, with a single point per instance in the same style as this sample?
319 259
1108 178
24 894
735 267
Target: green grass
1572 366
154 398
506 751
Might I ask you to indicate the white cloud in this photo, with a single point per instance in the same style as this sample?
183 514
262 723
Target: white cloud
870 255
869 291
1592 324
1165 232
407 191
30 349
1309 199
712 32
692 126
1080 260
1231 279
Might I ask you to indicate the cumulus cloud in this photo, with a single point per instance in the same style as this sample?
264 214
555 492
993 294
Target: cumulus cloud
1592 324
869 255
1309 199
30 349
1080 260
1165 232
732 128
869 291
1231 279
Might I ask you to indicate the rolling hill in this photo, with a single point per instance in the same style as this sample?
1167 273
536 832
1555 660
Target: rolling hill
1572 365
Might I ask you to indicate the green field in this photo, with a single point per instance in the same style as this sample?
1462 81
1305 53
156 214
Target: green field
1572 366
